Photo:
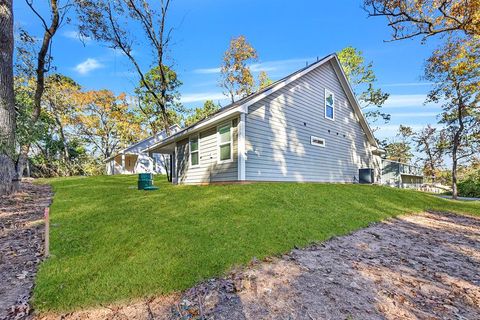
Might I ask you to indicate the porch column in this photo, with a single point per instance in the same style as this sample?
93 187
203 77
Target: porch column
241 147
171 167
174 167
123 162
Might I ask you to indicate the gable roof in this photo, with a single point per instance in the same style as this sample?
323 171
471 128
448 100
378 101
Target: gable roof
160 135
243 104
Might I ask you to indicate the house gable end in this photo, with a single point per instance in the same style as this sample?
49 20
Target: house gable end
281 125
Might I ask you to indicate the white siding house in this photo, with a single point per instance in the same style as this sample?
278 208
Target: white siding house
305 127
401 175
134 160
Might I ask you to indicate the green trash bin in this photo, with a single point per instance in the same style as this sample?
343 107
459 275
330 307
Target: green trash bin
145 180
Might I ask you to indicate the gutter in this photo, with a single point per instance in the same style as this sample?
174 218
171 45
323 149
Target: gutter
218 117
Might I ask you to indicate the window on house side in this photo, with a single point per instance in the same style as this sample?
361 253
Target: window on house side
194 153
316 141
329 105
224 143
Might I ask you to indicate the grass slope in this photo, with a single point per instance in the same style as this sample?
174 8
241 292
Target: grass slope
110 242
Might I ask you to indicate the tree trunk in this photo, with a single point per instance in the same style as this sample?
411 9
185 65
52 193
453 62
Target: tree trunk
454 173
66 154
457 139
8 181
40 81
432 168
22 160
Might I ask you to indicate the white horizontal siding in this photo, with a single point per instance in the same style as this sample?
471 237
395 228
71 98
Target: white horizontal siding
278 130
209 170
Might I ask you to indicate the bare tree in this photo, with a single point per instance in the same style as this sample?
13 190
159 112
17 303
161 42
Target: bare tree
43 58
431 144
7 100
108 21
399 149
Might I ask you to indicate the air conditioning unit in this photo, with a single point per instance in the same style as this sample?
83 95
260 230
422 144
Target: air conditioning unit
366 175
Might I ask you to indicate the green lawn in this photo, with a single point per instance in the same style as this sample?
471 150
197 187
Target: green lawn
110 242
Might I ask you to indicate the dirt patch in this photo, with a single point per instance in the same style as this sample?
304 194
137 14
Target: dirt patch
21 246
417 266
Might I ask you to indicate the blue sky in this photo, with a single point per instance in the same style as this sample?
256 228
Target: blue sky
285 34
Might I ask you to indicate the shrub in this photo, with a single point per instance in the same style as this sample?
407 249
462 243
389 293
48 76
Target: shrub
469 188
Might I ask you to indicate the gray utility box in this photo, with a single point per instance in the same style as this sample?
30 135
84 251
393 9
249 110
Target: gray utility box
366 175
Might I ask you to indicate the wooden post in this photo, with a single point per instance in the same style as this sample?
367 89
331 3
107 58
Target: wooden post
47 232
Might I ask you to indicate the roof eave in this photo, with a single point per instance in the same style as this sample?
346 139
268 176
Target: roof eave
137 143
198 126
353 101
242 107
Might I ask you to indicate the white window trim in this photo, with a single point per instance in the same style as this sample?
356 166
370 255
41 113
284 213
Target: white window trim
313 143
231 142
190 150
325 104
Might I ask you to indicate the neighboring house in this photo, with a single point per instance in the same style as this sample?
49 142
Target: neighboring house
401 175
133 160
305 127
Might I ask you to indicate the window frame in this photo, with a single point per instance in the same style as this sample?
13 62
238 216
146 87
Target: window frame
219 144
333 105
195 136
313 143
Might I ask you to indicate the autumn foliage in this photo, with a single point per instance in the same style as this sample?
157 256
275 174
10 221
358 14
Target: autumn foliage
411 18
237 79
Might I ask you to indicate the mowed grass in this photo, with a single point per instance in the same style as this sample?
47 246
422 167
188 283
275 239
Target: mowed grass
110 242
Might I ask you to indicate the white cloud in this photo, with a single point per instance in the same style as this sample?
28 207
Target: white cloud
406 100
75 35
125 74
407 84
390 130
203 84
414 114
202 96
87 66
279 65
207 70
267 66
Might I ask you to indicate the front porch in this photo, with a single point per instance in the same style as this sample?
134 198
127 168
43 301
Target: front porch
169 153
122 164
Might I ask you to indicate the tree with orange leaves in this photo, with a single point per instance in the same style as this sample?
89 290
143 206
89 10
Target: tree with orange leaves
425 18
236 78
106 122
59 102
455 71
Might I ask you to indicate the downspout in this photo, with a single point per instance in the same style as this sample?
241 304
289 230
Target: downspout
241 149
